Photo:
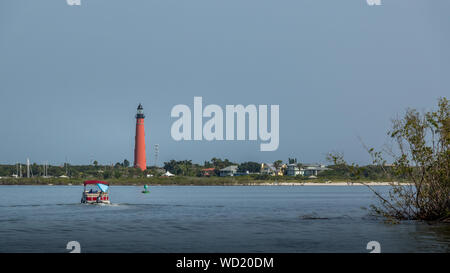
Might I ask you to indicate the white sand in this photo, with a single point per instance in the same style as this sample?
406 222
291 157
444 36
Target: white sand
329 184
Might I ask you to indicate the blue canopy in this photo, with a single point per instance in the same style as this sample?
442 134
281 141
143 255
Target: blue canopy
103 187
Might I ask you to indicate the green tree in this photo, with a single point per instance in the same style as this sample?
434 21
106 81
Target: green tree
252 167
107 174
126 163
277 164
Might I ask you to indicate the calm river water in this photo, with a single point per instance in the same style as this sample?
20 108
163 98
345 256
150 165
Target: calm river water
207 219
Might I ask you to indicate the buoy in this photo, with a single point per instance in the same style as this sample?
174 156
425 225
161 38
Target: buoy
145 189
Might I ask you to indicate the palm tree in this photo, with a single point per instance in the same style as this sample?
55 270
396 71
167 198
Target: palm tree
277 164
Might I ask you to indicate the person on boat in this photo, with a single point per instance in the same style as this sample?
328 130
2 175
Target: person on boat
99 197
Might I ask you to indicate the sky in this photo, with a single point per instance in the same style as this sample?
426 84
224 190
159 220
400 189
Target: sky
71 77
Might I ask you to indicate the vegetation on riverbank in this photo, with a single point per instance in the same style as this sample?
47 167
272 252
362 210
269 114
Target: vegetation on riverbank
184 168
185 172
178 180
421 155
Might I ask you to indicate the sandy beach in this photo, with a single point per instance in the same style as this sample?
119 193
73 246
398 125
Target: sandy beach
330 184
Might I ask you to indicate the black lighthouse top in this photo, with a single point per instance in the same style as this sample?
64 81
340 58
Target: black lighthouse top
140 111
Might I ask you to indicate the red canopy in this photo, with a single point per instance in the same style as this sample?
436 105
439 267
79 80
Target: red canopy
89 182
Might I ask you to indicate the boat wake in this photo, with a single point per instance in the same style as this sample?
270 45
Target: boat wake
105 205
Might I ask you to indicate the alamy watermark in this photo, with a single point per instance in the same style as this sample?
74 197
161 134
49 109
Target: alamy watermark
374 246
213 129
74 246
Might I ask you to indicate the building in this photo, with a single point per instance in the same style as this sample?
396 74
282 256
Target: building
313 169
269 169
229 171
242 173
293 170
139 145
168 174
306 170
208 171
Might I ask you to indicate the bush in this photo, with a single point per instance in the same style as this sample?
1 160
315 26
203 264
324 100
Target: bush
421 155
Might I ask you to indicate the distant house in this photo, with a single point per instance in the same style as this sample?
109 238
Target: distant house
309 170
293 170
208 171
313 169
168 174
242 173
269 169
229 171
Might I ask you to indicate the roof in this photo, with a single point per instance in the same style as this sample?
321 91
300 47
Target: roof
310 168
168 174
230 168
313 165
208 169
90 182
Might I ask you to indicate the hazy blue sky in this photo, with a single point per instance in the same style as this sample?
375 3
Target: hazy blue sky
72 77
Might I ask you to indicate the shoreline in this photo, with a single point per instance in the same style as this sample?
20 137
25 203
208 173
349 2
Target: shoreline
262 184
331 184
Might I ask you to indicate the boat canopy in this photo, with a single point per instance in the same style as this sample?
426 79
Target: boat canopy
103 187
90 182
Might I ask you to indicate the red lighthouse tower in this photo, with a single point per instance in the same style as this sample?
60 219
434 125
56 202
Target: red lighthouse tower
139 148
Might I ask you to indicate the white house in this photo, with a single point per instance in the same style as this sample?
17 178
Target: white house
229 171
313 169
306 170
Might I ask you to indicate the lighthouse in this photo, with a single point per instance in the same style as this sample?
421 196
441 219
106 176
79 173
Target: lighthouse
139 146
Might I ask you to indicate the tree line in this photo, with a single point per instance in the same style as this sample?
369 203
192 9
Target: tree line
185 168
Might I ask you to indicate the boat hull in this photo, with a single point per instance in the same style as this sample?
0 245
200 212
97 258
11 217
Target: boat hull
94 198
96 203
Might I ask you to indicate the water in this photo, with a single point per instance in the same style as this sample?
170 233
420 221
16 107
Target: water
207 219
